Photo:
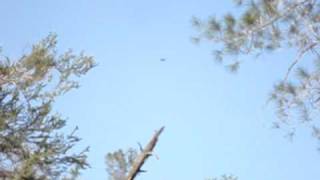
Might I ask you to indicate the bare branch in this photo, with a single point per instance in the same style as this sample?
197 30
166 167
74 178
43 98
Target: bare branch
144 155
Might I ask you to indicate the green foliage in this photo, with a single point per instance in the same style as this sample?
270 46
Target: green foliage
119 163
32 145
265 26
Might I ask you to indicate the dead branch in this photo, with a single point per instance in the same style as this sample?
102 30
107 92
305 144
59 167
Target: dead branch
144 155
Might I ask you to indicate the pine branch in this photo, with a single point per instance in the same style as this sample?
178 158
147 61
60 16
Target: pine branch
297 59
144 155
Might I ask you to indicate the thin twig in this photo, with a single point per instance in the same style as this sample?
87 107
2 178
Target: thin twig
297 59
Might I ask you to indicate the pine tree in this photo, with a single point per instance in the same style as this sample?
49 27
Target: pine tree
32 145
263 26
119 163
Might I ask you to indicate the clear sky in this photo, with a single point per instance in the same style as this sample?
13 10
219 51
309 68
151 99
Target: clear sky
216 122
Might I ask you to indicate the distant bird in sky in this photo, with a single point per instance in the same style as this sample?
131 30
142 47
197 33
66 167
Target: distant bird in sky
162 59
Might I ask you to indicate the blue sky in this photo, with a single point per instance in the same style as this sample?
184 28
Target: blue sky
216 122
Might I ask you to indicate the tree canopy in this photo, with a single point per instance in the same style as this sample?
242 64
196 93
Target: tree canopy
32 145
263 26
